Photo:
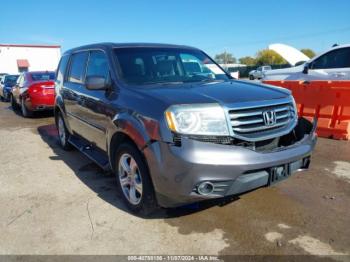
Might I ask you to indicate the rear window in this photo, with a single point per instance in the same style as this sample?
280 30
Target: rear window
43 76
11 80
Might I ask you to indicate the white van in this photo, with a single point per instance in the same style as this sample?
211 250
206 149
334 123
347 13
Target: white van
333 64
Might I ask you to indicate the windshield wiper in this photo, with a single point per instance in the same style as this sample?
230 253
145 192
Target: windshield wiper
202 80
163 83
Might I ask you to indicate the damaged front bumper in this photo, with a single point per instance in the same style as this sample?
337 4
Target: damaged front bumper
197 170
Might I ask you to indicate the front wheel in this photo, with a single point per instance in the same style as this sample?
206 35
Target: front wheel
134 181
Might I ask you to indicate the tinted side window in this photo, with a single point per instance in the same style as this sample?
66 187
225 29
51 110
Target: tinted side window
98 64
77 67
339 58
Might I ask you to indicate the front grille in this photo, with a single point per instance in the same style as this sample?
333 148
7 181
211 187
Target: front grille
249 123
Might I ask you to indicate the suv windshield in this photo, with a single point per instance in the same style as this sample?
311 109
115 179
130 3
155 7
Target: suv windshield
43 76
148 65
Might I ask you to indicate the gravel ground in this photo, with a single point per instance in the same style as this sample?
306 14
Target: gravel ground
56 202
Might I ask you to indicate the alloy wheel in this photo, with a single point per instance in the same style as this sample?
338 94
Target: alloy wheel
61 131
130 179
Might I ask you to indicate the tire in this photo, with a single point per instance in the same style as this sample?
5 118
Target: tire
6 97
63 134
251 77
133 179
13 103
25 111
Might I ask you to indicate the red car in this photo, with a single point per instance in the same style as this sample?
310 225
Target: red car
34 91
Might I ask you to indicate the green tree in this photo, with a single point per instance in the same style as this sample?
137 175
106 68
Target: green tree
269 57
308 52
225 58
247 60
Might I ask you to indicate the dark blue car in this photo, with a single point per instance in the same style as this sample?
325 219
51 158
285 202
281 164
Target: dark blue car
6 85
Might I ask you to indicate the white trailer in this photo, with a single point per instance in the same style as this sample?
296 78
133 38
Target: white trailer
20 58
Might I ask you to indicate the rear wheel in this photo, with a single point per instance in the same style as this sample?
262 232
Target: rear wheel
63 133
25 111
134 181
13 103
251 77
6 97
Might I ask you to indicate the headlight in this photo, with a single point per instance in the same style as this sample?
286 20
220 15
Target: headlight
202 119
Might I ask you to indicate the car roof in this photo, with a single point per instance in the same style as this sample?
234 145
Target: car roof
11 75
39 72
126 45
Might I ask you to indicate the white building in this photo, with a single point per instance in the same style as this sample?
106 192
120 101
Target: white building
19 58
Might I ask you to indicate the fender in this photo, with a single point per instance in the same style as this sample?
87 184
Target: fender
142 130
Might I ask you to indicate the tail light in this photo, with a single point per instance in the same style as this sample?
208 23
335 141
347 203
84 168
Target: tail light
40 87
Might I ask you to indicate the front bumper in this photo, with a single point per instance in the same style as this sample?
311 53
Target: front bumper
176 171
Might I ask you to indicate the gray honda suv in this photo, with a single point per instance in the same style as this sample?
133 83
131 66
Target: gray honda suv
173 126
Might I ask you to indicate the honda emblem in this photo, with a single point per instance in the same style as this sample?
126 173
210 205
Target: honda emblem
269 117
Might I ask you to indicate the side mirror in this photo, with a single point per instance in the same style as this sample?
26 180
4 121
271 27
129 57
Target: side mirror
96 83
306 69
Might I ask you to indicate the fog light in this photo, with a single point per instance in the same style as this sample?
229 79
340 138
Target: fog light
205 188
306 162
280 171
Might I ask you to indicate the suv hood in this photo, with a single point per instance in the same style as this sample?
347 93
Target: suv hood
215 92
290 54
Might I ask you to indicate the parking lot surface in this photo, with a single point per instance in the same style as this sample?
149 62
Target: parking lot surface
57 202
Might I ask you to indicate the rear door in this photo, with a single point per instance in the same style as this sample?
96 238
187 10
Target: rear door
93 109
334 65
72 90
